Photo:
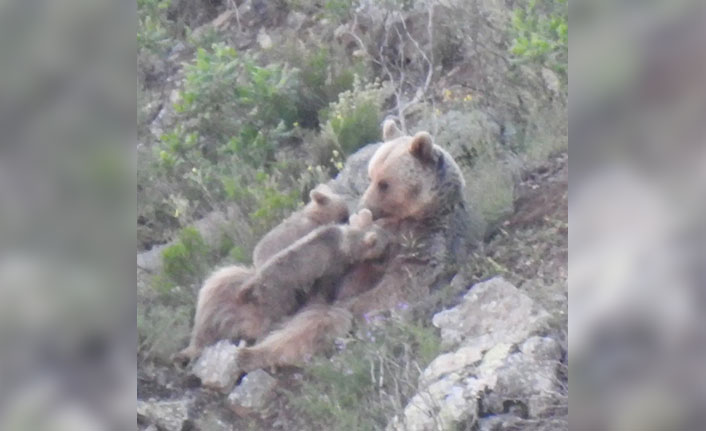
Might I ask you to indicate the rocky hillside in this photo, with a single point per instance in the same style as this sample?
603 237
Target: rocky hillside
245 105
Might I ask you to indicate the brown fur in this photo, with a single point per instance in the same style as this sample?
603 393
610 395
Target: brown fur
285 282
308 332
359 279
325 207
410 178
219 315
413 182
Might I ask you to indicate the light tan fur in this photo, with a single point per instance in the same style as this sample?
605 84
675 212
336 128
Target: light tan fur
285 282
307 333
408 176
325 207
218 313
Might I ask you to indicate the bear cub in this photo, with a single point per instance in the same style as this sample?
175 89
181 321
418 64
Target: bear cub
285 282
325 207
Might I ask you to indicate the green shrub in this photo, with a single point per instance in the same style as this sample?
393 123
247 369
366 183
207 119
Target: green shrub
354 120
187 260
162 330
540 33
370 378
322 79
152 31
229 98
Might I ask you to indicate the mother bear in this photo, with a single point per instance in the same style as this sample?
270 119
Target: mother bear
414 190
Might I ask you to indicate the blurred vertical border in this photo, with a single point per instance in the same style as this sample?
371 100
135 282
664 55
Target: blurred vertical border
637 212
67 214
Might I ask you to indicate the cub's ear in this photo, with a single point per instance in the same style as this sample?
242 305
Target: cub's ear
370 239
422 147
319 196
390 131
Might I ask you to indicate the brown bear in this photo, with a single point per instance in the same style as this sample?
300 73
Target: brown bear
414 186
285 282
243 303
411 178
325 207
216 314
306 333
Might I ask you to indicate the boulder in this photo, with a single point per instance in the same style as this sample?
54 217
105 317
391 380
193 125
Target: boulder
217 367
164 415
497 366
253 393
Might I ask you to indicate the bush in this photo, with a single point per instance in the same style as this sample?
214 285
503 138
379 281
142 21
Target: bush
229 98
162 330
354 120
186 261
370 378
540 33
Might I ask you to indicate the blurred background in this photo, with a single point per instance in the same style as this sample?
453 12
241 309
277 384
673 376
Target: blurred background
636 211
70 171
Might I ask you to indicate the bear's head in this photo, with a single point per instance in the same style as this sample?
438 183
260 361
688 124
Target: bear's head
326 206
410 177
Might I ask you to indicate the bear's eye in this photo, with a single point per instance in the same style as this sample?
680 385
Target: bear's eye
382 186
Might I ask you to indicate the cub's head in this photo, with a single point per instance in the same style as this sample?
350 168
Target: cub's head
325 206
404 173
374 244
373 240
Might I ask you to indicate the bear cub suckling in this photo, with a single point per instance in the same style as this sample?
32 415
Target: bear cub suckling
284 283
325 207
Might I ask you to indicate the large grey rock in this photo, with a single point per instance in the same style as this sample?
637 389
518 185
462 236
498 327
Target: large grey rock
218 367
497 364
508 316
166 415
253 393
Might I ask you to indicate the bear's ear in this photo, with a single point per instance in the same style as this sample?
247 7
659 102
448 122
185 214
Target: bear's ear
422 147
319 196
370 239
390 131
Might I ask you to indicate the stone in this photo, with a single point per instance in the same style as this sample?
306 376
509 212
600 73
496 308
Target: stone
166 415
252 394
497 365
492 312
218 367
264 40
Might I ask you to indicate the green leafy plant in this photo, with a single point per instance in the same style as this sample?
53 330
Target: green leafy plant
152 28
540 33
186 261
372 375
354 120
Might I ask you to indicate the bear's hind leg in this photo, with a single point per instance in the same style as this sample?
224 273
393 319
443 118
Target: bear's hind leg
305 334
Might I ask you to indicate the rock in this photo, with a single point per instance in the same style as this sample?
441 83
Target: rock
166 415
212 419
508 316
253 393
551 81
497 366
217 367
264 40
